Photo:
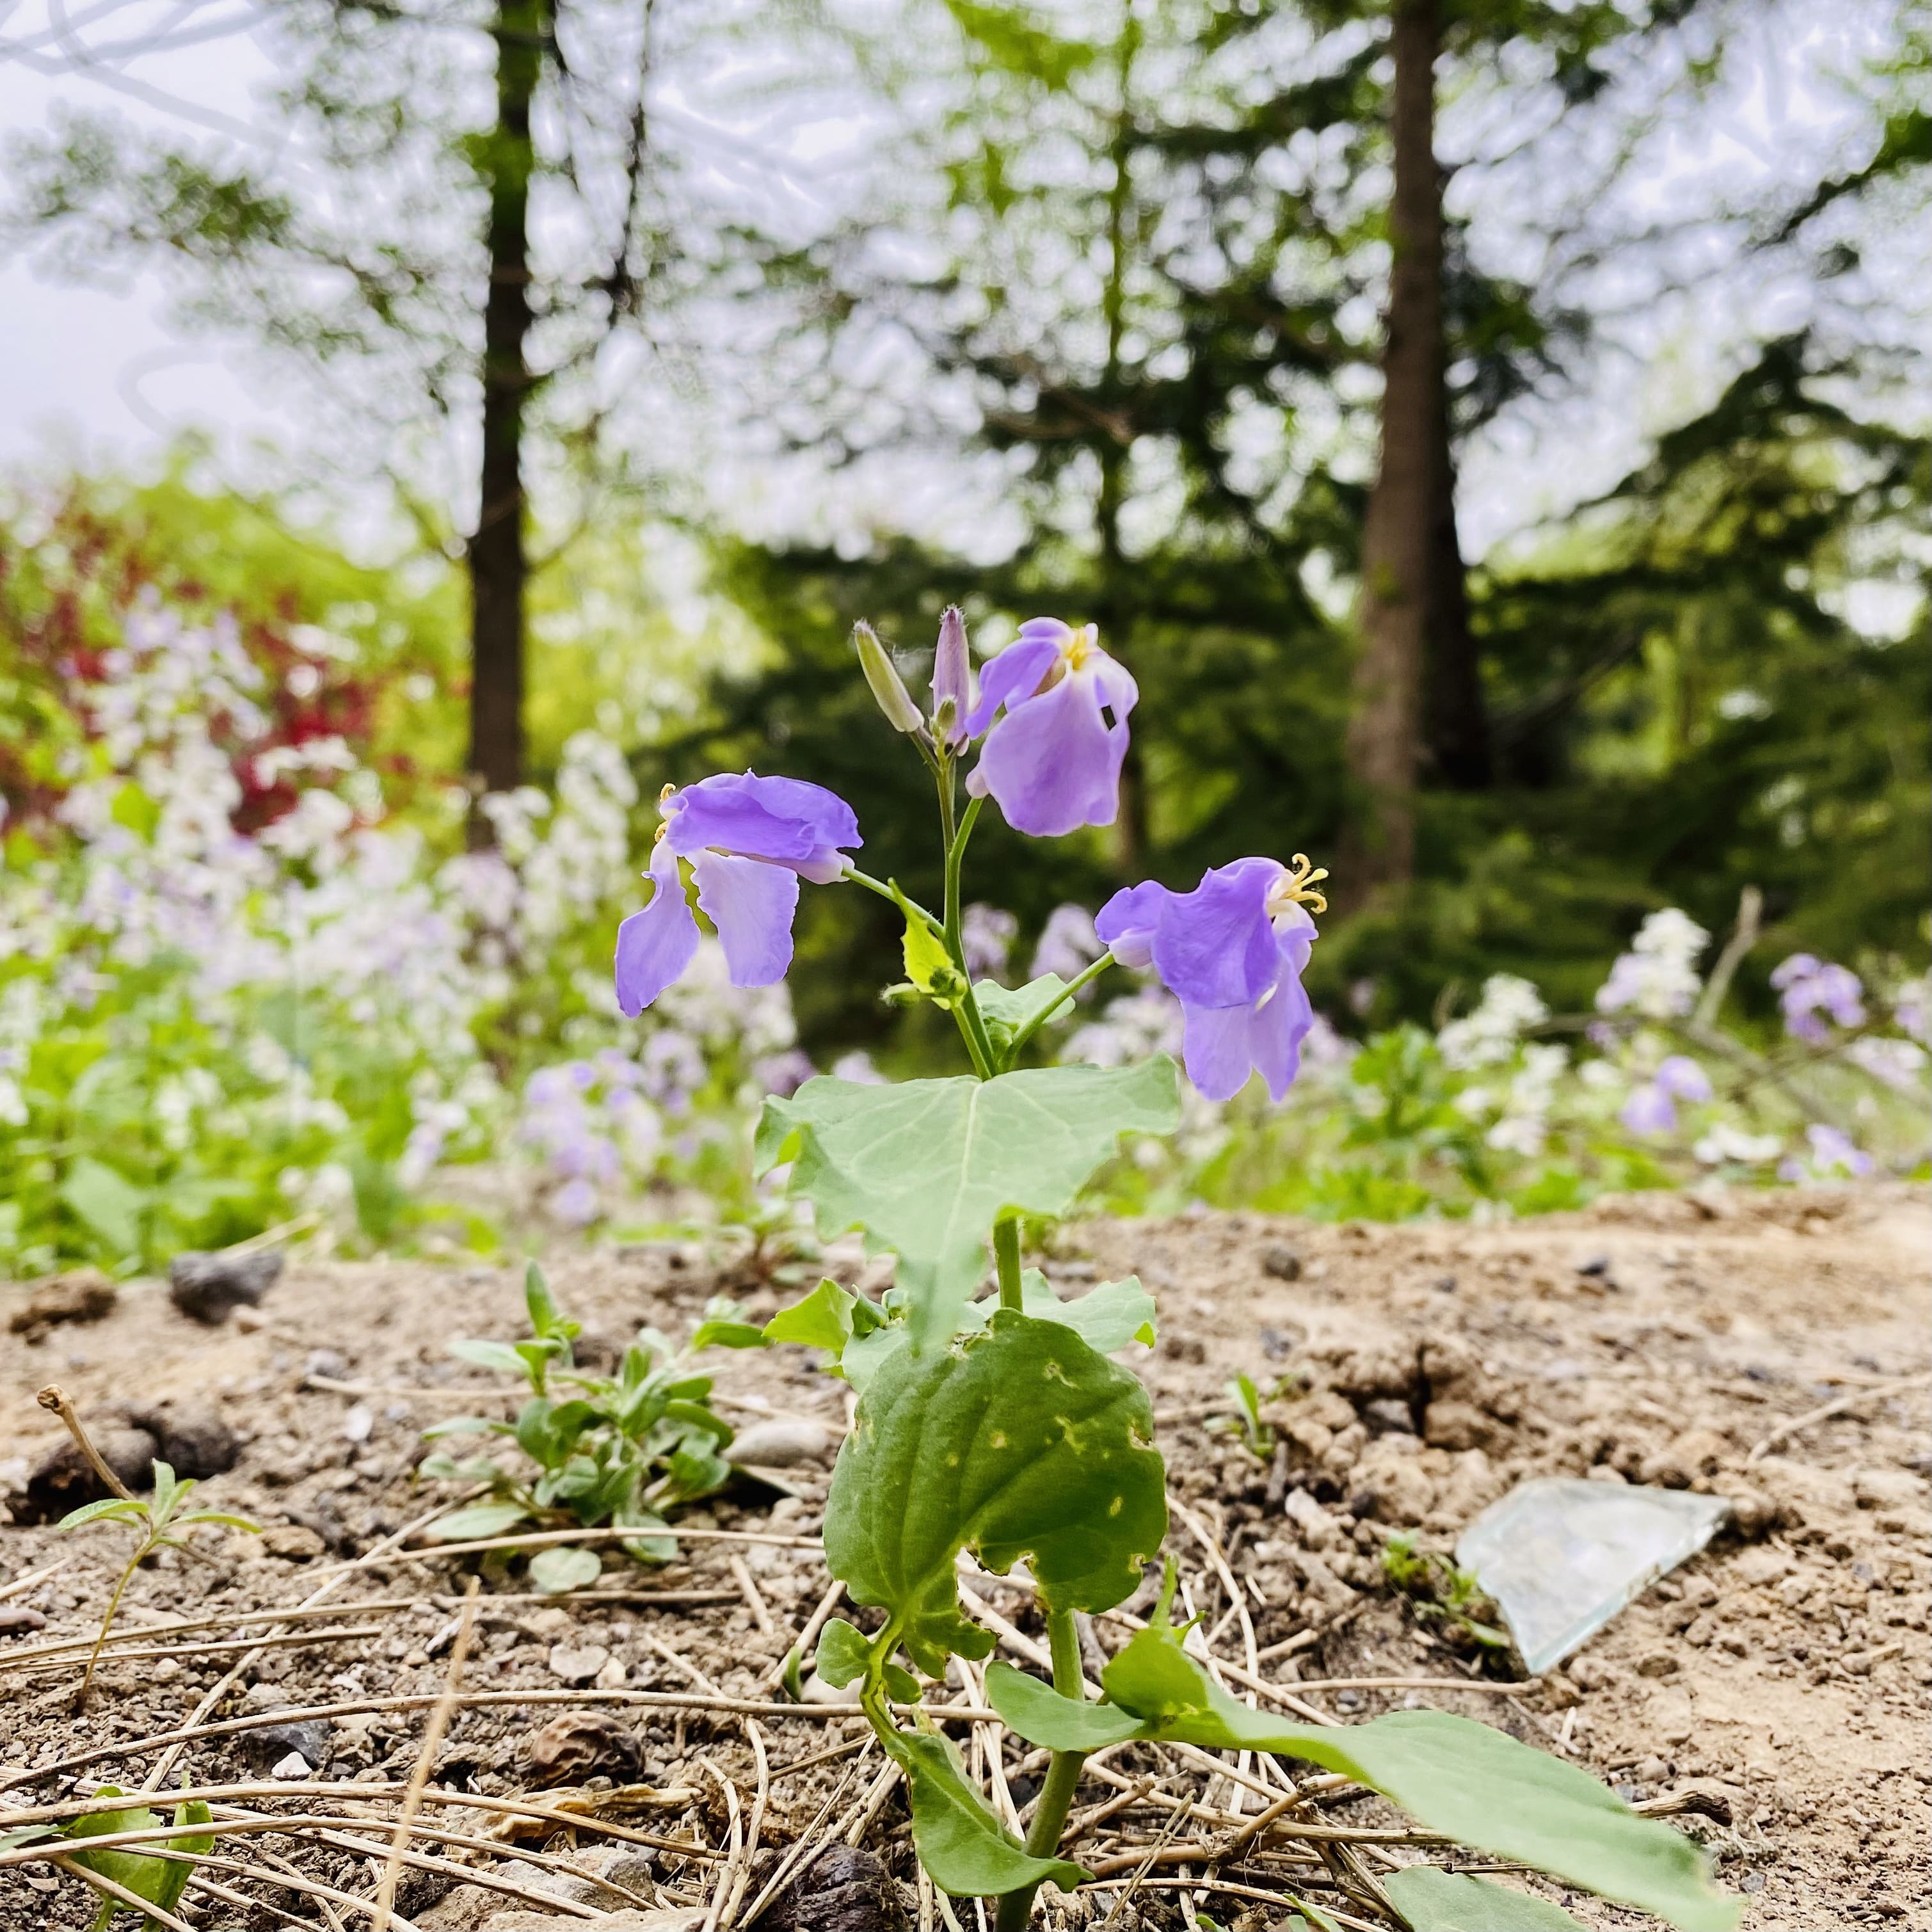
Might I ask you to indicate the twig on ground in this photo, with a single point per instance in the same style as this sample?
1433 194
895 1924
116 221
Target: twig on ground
760 1798
814 1623
747 1588
799 1859
21 1585
54 1399
433 1733
735 1844
1826 1411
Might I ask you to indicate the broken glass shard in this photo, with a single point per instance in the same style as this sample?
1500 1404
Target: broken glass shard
1561 1558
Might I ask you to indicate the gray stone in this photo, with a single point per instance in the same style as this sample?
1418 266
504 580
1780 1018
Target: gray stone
208 1287
783 1443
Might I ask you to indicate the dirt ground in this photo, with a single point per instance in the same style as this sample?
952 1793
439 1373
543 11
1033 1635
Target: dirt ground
1772 1693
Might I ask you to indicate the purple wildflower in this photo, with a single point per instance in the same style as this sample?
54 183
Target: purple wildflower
1808 986
1834 1152
1053 761
750 840
952 679
1651 1109
1232 952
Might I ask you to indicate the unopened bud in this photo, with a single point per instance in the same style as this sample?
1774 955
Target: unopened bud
895 701
952 674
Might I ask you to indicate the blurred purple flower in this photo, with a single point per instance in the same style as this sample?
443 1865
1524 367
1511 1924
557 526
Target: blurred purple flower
1232 952
1807 986
674 1068
575 1204
750 841
1068 943
987 934
783 1074
1649 1110
1833 1152
1053 761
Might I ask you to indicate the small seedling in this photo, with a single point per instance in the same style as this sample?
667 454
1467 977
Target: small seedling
1441 1592
1257 1436
146 1874
618 1449
159 1522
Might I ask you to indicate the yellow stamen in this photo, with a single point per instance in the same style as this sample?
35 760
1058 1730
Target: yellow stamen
664 796
1298 888
662 828
1085 638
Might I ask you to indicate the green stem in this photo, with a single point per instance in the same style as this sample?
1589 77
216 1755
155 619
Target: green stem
886 889
107 1623
1062 1775
1040 1019
1006 1257
979 1042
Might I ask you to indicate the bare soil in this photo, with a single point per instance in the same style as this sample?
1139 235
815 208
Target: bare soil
1771 1695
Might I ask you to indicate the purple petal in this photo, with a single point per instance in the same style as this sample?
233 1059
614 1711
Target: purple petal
1127 923
654 946
786 819
1683 1079
1118 690
1649 1110
952 672
1224 1044
1216 946
751 904
1052 762
1016 674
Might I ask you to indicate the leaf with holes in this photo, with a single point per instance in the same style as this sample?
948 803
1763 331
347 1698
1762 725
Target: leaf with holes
926 1167
1022 1442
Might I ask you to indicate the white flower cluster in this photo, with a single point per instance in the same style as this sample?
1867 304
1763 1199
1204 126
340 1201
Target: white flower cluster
1487 1037
1658 977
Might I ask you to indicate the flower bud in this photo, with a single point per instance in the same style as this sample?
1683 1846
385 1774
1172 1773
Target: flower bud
895 701
952 675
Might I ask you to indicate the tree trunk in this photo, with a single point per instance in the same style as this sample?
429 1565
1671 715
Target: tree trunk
497 562
1414 680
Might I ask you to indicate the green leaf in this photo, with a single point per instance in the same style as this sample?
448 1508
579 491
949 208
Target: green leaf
1434 1900
1452 1775
727 1335
159 1881
828 1318
1107 1317
479 1521
964 1848
928 964
498 1355
1008 1010
844 1652
645 1548
562 1568
109 1203
1022 1443
1040 1714
927 1166
467 1425
109 1506
221 1517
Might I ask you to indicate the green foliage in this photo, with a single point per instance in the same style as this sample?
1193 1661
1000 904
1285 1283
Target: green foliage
1257 1436
622 1449
159 1522
1440 1591
1434 1900
925 1167
161 1881
1473 1783
964 1847
1022 1443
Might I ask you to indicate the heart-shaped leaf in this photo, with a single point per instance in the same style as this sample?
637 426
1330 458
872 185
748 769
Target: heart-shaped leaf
159 1881
1022 1442
927 1166
1108 1317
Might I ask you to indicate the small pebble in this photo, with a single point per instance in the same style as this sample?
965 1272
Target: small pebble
291 1768
208 1287
577 1663
358 1423
1281 1261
